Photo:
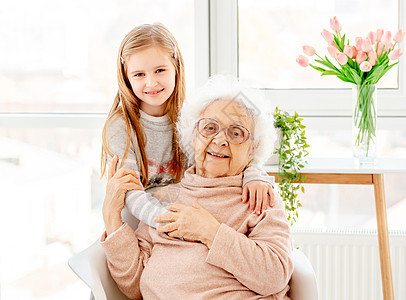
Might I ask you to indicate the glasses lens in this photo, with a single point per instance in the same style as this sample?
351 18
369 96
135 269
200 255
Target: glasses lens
208 128
237 134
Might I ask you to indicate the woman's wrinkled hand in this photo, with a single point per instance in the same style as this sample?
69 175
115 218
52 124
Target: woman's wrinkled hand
118 183
192 223
260 194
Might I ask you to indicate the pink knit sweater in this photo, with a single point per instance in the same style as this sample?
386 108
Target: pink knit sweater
250 257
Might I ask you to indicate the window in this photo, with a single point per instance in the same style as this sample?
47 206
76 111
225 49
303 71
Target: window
57 82
60 56
50 208
245 39
271 34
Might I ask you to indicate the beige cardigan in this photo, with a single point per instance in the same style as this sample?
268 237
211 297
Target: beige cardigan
250 257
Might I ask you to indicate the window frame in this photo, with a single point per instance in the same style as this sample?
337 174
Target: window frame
307 102
216 51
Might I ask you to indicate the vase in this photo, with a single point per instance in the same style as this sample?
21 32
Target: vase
364 124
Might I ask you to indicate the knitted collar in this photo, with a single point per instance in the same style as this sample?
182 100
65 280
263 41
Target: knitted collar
191 179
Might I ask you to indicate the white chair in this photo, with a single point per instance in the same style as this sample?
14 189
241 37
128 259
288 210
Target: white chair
91 267
303 283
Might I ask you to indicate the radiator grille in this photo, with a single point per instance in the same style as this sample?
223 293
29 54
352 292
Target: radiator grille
346 261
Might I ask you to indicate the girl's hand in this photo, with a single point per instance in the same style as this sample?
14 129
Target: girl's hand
118 183
193 223
259 194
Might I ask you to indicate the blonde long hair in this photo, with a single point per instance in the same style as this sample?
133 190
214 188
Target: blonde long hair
127 104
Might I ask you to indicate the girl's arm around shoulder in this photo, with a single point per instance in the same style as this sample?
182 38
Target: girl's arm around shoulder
257 189
256 172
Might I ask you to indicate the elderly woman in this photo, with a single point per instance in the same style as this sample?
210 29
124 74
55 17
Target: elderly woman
210 245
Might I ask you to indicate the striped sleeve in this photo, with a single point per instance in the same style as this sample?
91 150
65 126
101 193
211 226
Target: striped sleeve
256 172
145 207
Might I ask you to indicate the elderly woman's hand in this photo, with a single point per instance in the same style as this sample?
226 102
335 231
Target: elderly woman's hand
117 186
193 223
259 194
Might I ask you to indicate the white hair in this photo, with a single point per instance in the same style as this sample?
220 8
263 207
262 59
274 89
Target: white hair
253 101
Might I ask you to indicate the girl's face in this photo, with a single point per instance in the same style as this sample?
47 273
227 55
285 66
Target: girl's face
152 78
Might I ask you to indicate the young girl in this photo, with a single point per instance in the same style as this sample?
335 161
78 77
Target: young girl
140 125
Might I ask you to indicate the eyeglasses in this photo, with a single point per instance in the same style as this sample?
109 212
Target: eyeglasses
235 134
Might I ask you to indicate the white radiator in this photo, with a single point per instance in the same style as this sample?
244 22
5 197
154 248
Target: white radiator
346 262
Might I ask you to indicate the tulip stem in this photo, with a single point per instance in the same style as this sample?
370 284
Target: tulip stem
319 56
365 116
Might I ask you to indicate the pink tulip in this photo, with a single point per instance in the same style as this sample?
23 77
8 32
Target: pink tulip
366 45
398 37
395 54
379 34
302 61
361 56
372 37
379 50
333 44
388 47
372 58
358 43
309 50
332 51
365 66
387 37
341 58
335 24
354 52
327 36
348 50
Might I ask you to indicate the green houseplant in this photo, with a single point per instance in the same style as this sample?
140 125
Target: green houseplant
291 152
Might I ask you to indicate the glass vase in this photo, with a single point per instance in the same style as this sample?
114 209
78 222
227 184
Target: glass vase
364 124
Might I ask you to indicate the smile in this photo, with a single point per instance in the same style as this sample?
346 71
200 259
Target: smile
152 93
218 155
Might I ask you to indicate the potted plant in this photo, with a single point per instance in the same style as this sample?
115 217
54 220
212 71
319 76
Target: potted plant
291 152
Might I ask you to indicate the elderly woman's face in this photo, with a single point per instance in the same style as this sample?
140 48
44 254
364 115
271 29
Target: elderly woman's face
216 156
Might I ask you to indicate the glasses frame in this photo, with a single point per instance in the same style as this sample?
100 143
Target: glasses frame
249 136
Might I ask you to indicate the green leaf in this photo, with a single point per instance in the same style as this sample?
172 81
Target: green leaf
345 79
330 73
337 41
356 77
317 68
326 63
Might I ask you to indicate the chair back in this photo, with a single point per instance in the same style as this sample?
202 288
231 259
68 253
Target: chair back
303 283
90 266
